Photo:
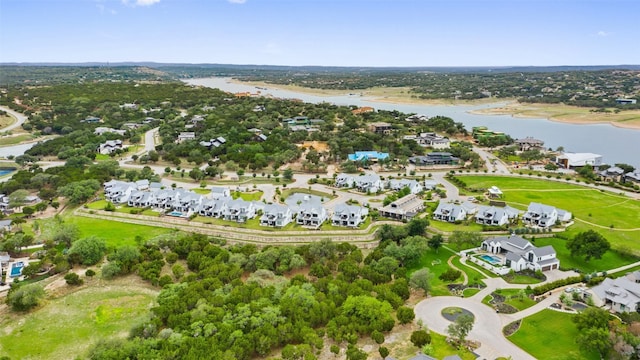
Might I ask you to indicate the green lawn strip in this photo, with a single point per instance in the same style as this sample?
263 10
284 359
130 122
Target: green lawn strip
250 224
474 276
115 233
326 226
449 227
66 327
610 260
201 191
247 196
470 292
480 270
520 279
512 299
550 335
288 192
12 140
437 264
442 349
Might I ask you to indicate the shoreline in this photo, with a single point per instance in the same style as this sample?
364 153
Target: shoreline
574 115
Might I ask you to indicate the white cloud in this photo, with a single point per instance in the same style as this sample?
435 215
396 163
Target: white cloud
104 10
603 33
140 2
237 1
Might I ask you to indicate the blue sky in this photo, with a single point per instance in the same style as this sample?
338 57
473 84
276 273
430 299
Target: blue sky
323 32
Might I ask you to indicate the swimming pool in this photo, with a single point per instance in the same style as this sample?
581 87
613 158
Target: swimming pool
175 213
16 269
491 259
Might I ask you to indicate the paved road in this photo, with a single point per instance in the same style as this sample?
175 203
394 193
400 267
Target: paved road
492 162
20 118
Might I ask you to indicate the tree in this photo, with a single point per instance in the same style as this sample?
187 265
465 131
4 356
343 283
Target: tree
419 338
110 270
595 339
79 191
383 351
450 275
73 279
18 198
592 318
460 328
421 279
417 226
436 242
353 353
87 251
589 244
461 239
405 314
126 257
65 233
25 297
287 174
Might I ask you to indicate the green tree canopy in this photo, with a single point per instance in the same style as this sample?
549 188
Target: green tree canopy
589 244
87 251
25 297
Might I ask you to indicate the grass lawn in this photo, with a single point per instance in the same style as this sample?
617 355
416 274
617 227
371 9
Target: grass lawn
475 277
603 209
520 279
115 233
328 227
511 299
449 227
288 192
550 335
469 292
437 264
610 260
201 191
65 328
12 140
247 196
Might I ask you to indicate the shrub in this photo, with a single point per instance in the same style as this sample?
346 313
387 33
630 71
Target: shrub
420 338
89 273
405 314
450 275
73 279
539 290
25 297
110 270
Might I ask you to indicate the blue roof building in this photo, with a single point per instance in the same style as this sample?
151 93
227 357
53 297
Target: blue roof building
368 155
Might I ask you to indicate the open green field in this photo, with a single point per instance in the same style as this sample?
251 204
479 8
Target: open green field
610 260
441 349
449 227
66 327
617 216
287 192
115 233
512 299
550 335
247 196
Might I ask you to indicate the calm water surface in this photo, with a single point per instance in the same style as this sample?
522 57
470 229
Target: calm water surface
616 145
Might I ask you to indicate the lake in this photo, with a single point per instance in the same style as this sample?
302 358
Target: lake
616 145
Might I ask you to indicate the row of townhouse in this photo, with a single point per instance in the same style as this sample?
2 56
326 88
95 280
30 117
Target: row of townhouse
219 204
372 183
539 215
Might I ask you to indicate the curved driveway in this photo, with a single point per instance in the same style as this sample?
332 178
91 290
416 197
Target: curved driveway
20 118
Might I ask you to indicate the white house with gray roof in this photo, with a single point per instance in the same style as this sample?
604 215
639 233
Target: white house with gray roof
344 180
276 215
620 295
399 184
496 216
239 210
310 213
520 254
368 183
544 216
348 215
633 176
219 191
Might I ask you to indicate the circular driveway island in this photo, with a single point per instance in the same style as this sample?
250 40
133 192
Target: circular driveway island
487 327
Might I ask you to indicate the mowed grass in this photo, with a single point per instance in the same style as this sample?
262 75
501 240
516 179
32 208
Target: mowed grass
437 264
615 216
610 260
12 140
550 335
65 328
115 233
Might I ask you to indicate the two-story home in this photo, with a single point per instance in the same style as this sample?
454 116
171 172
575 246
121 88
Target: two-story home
118 192
578 160
368 156
434 158
344 180
219 191
381 128
239 210
275 215
613 173
529 143
110 146
404 208
633 176
370 183
544 216
349 215
519 254
620 295
399 184
451 212
496 216
310 213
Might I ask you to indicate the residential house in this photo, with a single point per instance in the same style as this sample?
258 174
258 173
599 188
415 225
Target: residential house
620 295
404 208
434 158
311 213
110 146
494 192
613 173
4 204
186 136
578 160
239 210
496 216
431 140
139 198
369 183
103 130
450 212
529 143
399 184
91 120
142 184
381 128
633 176
219 191
129 106
520 254
349 215
276 215
430 184
217 142
544 216
626 101
214 207
344 180
368 156
417 118
118 192
6 224
132 126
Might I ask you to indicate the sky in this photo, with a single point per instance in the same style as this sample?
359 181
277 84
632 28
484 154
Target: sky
323 32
